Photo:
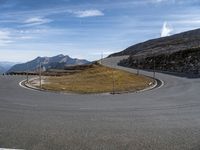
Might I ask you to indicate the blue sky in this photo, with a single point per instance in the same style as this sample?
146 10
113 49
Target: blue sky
86 28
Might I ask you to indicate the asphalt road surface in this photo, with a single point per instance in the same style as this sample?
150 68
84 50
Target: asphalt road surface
166 118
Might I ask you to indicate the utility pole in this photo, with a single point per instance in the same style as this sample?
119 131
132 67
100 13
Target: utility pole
27 73
154 65
138 70
40 76
169 60
113 82
101 58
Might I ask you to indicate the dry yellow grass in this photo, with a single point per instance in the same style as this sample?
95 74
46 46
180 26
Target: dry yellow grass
97 79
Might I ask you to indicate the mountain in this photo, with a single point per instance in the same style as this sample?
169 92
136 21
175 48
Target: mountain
5 66
182 63
2 69
170 44
56 62
177 54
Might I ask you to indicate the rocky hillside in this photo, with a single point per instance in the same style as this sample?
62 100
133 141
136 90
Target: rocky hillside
56 62
184 63
177 54
170 44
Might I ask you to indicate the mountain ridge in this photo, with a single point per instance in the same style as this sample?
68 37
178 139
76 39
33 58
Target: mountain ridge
55 62
162 45
5 66
177 54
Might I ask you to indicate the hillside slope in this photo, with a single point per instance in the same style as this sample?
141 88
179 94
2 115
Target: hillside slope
170 44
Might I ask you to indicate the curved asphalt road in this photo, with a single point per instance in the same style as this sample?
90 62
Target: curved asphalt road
167 118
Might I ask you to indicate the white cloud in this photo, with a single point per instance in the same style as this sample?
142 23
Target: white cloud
155 1
158 1
8 36
25 37
164 1
166 30
88 13
5 37
36 21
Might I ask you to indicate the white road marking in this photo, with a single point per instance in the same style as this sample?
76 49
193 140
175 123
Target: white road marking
152 87
33 88
143 90
9 149
24 105
162 84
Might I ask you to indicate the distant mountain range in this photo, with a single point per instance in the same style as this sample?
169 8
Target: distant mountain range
56 62
5 66
178 42
2 69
